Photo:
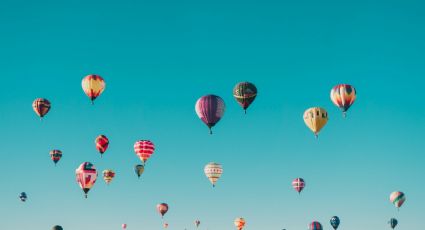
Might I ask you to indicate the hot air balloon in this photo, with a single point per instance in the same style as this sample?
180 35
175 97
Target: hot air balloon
41 106
139 169
144 149
393 222
213 171
23 196
315 118
210 109
86 176
245 93
397 198
93 85
56 155
124 226
102 143
197 223
298 184
57 227
108 175
162 209
165 225
315 226
343 96
239 223
335 222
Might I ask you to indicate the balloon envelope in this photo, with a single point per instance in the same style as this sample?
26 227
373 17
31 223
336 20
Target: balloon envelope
102 144
315 226
57 227
343 96
245 93
144 149
41 106
197 223
335 222
315 118
23 196
210 109
86 176
213 172
55 155
124 226
162 208
93 85
108 175
298 184
239 223
397 198
393 222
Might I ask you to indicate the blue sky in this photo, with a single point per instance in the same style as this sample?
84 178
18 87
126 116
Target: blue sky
158 58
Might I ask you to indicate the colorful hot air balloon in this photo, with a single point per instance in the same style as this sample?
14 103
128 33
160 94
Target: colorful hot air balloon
343 96
245 93
335 222
298 184
57 227
102 143
41 106
197 223
210 109
213 171
165 225
397 198
108 175
93 85
144 149
56 155
162 209
393 222
315 118
139 169
124 226
239 223
315 226
23 196
86 176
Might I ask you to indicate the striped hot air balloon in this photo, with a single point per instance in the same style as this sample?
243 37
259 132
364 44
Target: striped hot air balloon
315 226
210 109
162 208
93 85
245 93
397 198
108 175
55 155
86 176
213 171
315 118
102 143
239 223
343 96
144 149
298 184
41 106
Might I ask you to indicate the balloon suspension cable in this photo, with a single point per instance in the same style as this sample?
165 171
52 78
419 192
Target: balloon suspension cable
211 131
213 185
92 101
85 195
245 111
101 155
344 114
316 135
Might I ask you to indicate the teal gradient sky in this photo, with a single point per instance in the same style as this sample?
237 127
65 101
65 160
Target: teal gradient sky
158 58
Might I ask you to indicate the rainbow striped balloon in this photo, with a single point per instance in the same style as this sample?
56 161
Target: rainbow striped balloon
397 198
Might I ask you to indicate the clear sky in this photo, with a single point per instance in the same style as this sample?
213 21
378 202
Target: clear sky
158 58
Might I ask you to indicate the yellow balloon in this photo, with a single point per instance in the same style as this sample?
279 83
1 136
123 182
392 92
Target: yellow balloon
315 118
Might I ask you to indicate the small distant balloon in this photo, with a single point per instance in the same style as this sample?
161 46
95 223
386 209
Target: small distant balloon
139 169
239 223
86 175
124 226
315 118
23 196
343 96
162 209
93 85
41 106
210 109
57 227
393 222
245 93
335 222
55 155
213 172
102 143
108 175
197 223
315 226
298 184
165 225
397 198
